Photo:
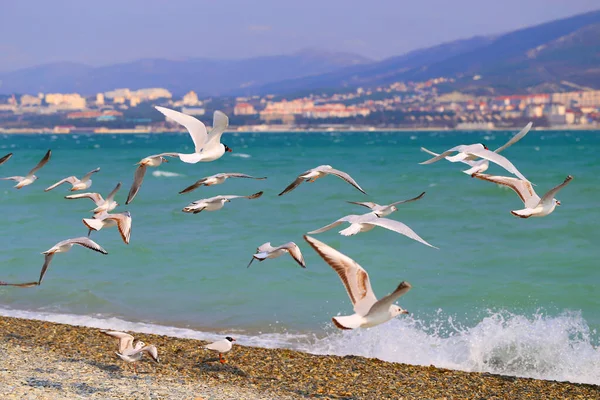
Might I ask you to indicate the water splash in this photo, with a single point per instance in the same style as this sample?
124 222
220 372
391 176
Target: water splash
165 174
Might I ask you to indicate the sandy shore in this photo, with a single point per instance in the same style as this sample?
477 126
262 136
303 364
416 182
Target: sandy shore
43 360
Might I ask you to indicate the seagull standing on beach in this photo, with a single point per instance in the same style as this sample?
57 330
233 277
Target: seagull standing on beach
130 353
366 222
5 158
76 184
217 179
472 152
106 220
382 211
60 247
265 251
479 166
222 346
144 163
208 146
534 206
215 203
322 170
30 177
102 205
368 311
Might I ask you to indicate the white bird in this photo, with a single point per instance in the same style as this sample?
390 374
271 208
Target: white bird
102 205
368 311
128 351
479 166
471 152
106 220
534 206
221 346
144 163
76 184
322 170
217 179
366 222
215 203
382 211
265 251
5 158
30 177
60 247
208 146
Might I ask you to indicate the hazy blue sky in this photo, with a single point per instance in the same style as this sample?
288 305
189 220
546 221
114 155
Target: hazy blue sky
109 31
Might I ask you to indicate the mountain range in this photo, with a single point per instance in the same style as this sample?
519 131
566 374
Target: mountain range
558 55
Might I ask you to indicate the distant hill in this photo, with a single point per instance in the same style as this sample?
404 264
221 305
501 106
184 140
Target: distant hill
533 59
205 76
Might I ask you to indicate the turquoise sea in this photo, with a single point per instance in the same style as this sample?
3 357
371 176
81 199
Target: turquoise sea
502 294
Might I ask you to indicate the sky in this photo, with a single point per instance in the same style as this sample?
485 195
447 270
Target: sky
110 31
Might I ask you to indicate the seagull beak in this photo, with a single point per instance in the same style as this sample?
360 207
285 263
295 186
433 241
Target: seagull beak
233 340
405 312
558 202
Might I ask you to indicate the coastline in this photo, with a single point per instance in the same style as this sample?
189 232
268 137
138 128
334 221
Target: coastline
51 360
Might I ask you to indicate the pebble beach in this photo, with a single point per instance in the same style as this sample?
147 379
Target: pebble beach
44 360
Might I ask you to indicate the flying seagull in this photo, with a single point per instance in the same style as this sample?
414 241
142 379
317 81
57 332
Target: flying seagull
208 146
102 205
30 177
534 206
368 311
144 163
217 179
322 170
105 220
76 184
215 203
5 158
382 211
265 251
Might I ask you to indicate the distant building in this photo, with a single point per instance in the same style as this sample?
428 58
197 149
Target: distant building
193 110
244 109
28 100
94 114
72 101
190 99
99 99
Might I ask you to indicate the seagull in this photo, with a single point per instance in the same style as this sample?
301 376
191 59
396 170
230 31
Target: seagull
208 146
313 174
215 203
105 220
102 205
77 184
471 152
130 353
382 211
366 222
30 178
5 158
368 311
222 346
217 179
534 206
482 165
144 163
60 247
265 251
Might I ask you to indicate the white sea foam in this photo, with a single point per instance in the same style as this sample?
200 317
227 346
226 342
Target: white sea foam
165 174
544 347
241 155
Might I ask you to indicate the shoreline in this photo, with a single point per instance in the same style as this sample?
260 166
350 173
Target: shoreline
52 359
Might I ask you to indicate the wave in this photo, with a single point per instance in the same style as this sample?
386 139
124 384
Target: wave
241 155
542 347
165 174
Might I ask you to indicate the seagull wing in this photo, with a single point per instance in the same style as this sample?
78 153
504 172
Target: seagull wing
367 204
5 158
220 123
523 188
552 192
24 285
353 276
344 176
252 196
515 138
47 260
194 186
112 194
295 252
125 339
409 200
440 156
239 175
292 185
398 227
88 243
138 178
70 179
13 178
95 197
347 218
42 162
385 302
123 221
151 350
497 159
196 128
89 174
